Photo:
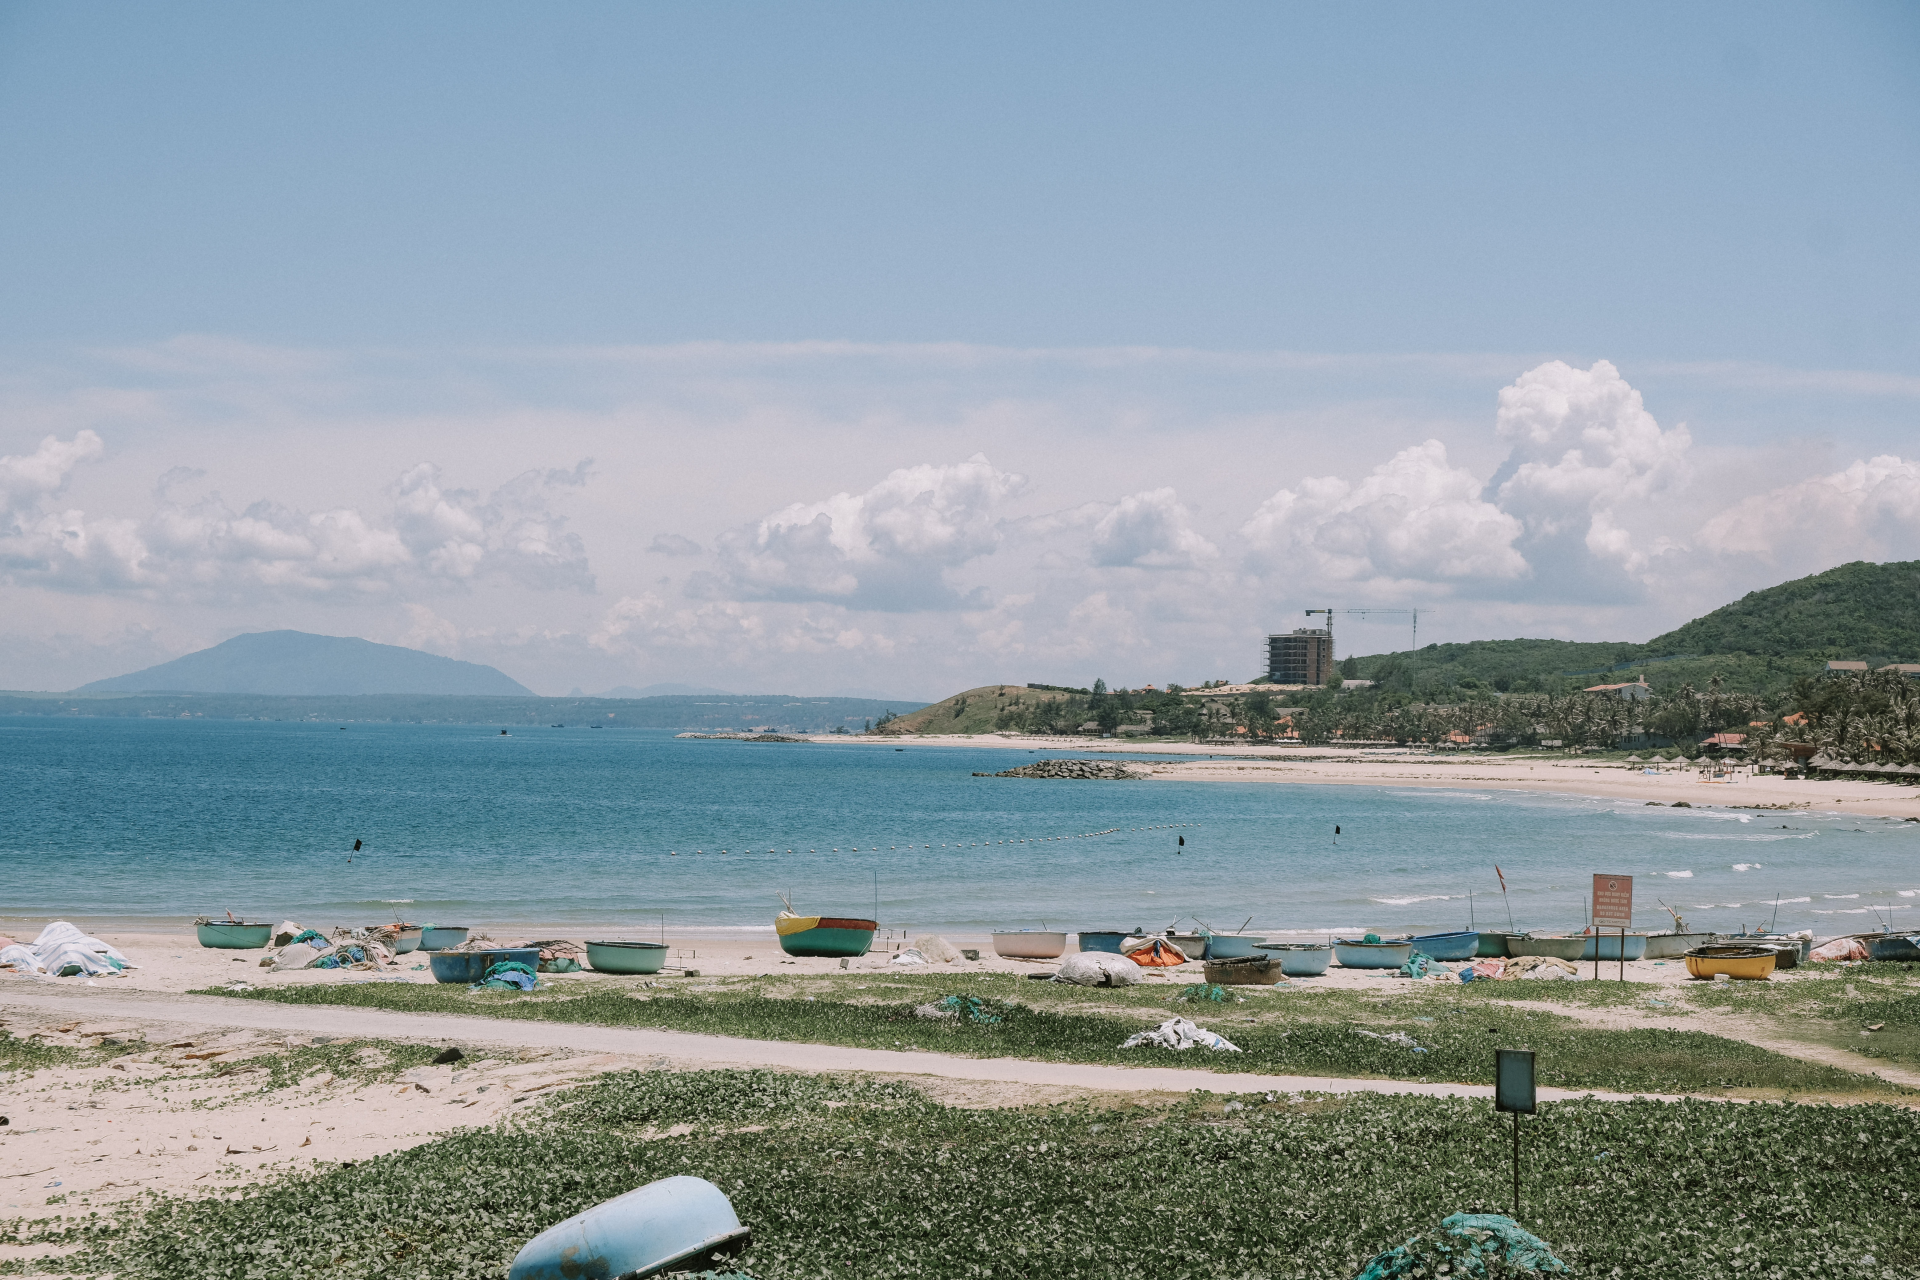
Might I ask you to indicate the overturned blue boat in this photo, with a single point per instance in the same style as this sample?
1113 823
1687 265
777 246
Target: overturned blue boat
675 1224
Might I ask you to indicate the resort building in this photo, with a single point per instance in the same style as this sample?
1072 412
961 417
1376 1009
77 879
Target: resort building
1911 670
1843 668
1634 692
1302 657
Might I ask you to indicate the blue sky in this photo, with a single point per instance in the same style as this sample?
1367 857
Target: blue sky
1160 265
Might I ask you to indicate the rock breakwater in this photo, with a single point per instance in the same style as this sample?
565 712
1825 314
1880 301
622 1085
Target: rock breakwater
1109 769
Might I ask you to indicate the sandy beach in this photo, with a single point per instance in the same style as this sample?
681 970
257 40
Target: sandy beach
1548 773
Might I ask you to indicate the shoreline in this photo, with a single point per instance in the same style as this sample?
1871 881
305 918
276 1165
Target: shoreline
1402 766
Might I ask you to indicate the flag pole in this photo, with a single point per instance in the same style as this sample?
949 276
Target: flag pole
1503 893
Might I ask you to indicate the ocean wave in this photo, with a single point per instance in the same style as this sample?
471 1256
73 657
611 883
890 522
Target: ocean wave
1407 902
1835 896
1841 911
1785 901
1910 893
1703 835
1678 875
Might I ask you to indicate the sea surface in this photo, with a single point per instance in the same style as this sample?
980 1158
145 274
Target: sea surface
168 819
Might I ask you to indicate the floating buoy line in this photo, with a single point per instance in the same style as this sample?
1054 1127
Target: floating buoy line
955 844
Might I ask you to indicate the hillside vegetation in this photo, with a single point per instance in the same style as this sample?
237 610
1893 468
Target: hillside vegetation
974 711
1759 644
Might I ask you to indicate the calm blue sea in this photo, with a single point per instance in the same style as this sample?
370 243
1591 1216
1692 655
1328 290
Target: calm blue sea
173 818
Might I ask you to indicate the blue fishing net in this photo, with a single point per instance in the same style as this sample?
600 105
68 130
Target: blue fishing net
507 975
1469 1244
970 1009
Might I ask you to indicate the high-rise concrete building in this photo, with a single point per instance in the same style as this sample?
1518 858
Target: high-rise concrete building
1302 657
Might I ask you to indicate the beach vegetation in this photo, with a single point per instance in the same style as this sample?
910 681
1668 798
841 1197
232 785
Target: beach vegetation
852 1179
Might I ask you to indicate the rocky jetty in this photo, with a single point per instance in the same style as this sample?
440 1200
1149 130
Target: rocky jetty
1114 769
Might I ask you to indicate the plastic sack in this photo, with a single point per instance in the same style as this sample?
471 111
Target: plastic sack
1098 969
936 949
911 955
1840 949
1178 1033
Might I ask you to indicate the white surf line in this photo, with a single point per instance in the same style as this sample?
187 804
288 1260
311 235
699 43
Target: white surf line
690 1050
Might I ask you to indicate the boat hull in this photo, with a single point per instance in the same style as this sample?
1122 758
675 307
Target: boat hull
1606 946
1246 971
825 936
1372 955
674 1223
1301 959
1894 947
443 937
1030 944
1494 945
626 957
1559 948
1665 946
1107 940
406 940
1459 945
1745 963
1232 946
226 936
471 966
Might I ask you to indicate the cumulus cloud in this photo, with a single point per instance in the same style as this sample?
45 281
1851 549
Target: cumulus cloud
889 549
1415 517
1584 448
1585 457
1150 530
431 536
1870 510
730 630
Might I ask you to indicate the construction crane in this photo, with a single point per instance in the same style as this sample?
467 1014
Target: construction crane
1414 614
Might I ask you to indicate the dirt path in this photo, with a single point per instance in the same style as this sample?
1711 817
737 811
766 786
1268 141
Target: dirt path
686 1050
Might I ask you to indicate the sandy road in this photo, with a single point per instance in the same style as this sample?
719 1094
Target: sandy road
686 1051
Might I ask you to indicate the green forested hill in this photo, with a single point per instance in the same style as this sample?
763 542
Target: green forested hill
1859 610
1758 644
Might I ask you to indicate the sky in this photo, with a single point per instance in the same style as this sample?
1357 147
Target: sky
892 350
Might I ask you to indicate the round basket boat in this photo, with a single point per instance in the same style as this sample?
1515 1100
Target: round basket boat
1301 959
1748 963
1547 944
626 957
1107 940
234 935
471 966
403 939
1233 946
1606 946
1494 944
1460 944
442 937
1372 955
1029 944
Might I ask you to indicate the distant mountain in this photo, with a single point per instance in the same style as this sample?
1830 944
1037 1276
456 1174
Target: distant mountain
296 663
660 691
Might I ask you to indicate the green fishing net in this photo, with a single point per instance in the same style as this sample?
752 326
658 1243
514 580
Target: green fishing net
1468 1244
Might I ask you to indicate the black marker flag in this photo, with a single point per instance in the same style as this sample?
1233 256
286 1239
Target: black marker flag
356 849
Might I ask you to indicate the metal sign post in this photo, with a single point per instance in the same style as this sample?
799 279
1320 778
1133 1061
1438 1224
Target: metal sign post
1612 909
1513 1091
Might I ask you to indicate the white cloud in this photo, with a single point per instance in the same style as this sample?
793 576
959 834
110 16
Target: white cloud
1150 530
431 538
888 549
1584 448
673 544
1416 517
1870 510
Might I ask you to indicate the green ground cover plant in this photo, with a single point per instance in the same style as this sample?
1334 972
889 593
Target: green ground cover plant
1319 1035
855 1179
31 1053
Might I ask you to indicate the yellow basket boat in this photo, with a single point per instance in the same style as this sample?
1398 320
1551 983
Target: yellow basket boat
1735 962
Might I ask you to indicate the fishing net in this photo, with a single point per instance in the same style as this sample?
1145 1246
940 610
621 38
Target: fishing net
1468 1244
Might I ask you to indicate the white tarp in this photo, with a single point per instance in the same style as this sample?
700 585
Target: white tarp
1178 1033
63 946
1098 969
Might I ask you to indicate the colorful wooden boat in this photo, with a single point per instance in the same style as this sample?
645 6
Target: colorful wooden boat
830 936
1359 954
1559 946
1460 944
1606 946
234 935
1301 959
675 1224
626 957
1750 963
1029 944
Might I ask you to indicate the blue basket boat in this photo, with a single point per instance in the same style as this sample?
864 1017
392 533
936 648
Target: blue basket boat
1355 954
1458 945
675 1224
471 966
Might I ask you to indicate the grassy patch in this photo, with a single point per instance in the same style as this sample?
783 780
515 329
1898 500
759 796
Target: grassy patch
356 1061
1292 1033
31 1053
858 1179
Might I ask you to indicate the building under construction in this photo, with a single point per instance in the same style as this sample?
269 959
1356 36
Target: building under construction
1300 657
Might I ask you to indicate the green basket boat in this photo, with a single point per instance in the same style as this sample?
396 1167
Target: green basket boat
830 936
626 957
234 935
